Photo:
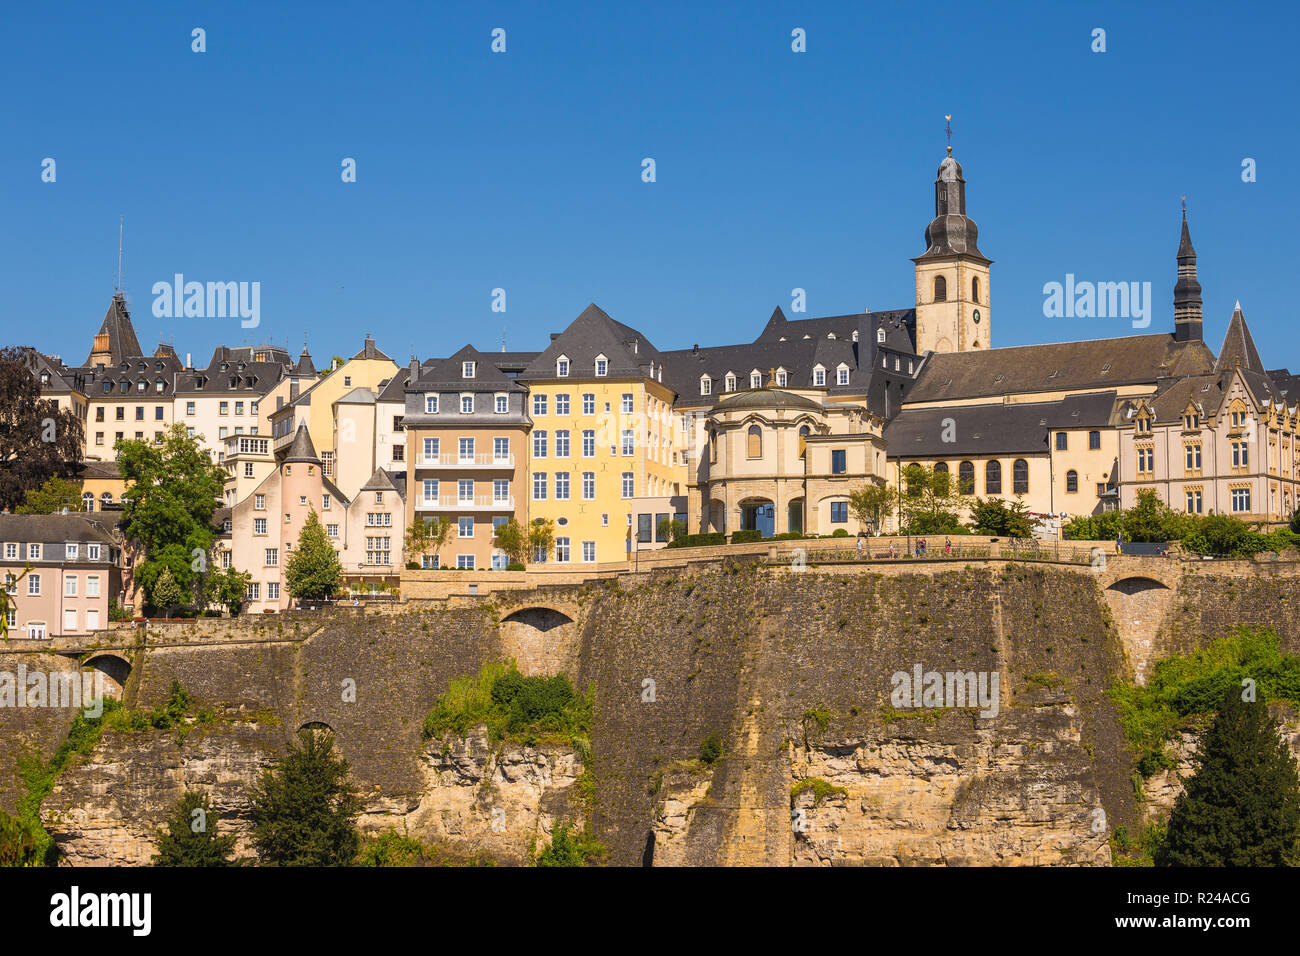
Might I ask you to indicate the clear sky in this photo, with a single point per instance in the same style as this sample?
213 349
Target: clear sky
523 170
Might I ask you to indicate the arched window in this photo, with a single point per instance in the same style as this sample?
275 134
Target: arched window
88 501
993 478
940 289
1071 481
941 466
942 478
106 498
755 442
1020 477
966 478
975 289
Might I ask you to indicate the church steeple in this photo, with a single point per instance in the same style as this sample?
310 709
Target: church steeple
952 275
1187 291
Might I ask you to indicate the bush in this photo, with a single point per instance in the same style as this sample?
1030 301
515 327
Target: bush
711 748
699 540
839 533
510 705
515 566
412 566
746 537
570 847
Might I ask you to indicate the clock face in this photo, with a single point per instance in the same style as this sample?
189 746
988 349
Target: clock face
977 316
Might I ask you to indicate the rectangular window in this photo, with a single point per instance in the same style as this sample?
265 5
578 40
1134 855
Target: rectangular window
629 485
69 620
327 464
562 404
33 584
331 531
465 490
259 526
259 502
465 527
588 486
158 413
272 557
273 590
254 591
431 450
466 449
661 527
561 442
34 552
562 550
627 405
643 529
539 486
588 403
1094 440
223 408
502 404
589 551
539 404
431 490
629 442
1062 441
325 502
92 552
92 585
466 369
11 552
839 512
431 404
561 486
839 461
501 449
1240 499
467 404
539 444
72 551
588 443
500 489
189 409
465 562
69 586
1194 502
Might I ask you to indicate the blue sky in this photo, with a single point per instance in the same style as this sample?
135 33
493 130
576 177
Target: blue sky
522 170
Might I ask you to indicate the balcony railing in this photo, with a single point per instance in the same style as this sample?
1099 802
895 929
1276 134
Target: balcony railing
466 461
457 503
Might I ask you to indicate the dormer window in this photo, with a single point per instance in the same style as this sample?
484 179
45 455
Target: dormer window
755 379
140 386
466 369
562 367
45 378
855 335
706 385
842 375
431 404
602 366
729 383
880 336
467 404
158 386
819 376
782 378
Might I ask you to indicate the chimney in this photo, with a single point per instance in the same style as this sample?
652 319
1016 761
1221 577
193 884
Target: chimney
189 360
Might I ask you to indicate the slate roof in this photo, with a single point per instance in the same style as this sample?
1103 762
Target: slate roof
369 351
301 449
381 480
994 429
358 396
122 343
238 376
444 374
767 398
1238 346
594 333
305 366
52 529
1095 363
394 389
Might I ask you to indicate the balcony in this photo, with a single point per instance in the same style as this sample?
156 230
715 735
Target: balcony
456 503
466 461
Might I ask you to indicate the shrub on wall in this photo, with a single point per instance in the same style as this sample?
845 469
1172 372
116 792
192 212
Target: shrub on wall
699 540
746 537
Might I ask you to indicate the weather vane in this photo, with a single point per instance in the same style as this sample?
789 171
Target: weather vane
947 128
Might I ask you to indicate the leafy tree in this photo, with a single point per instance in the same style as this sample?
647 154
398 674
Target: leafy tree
427 536
304 807
52 497
1150 519
930 501
993 516
313 572
37 439
18 842
570 847
166 593
670 529
870 503
190 837
1242 806
541 535
167 510
229 588
512 538
6 602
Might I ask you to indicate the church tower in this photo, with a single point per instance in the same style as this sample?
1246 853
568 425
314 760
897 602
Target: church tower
952 275
1187 291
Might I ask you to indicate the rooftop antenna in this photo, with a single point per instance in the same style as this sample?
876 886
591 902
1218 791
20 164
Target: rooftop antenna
121 221
947 128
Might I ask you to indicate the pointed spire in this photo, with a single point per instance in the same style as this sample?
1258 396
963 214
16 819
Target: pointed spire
1238 346
951 232
302 448
1187 290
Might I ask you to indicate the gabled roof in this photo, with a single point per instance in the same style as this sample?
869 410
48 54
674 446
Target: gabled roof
594 333
358 396
1095 363
369 351
993 429
445 374
122 343
1238 346
394 389
381 480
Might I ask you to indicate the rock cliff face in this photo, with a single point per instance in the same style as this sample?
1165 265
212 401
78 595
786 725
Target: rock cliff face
794 672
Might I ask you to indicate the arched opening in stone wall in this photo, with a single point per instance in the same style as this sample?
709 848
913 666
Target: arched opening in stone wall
540 639
1139 607
316 726
115 669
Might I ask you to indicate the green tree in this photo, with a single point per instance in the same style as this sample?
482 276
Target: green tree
541 535
229 588
190 837
167 510
570 847
994 517
670 529
18 842
512 538
427 536
52 497
1150 519
37 439
1242 805
5 601
165 595
313 572
1295 522
304 807
930 501
870 503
